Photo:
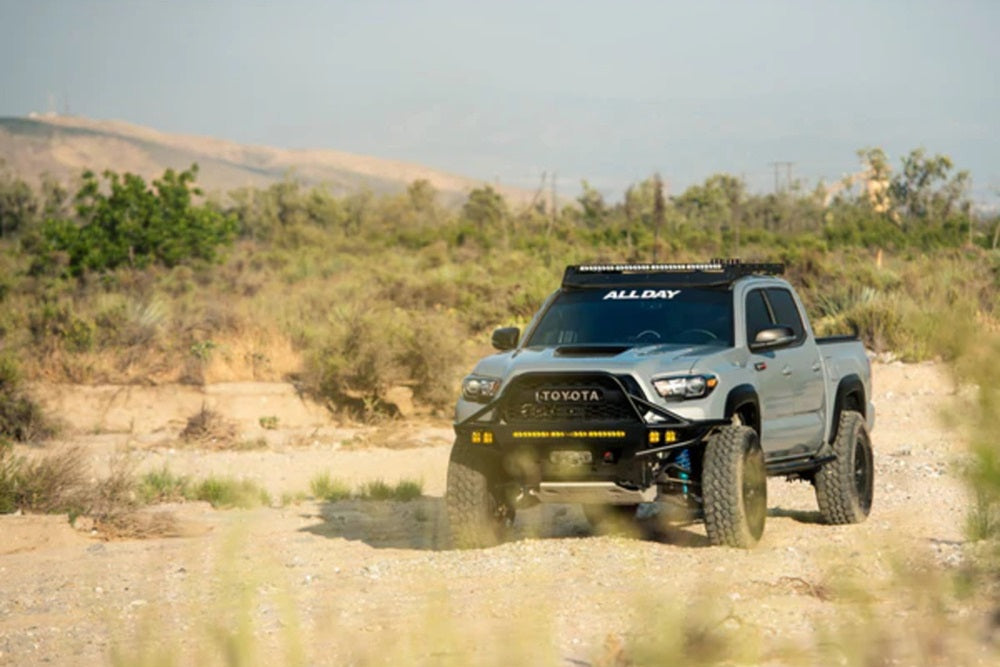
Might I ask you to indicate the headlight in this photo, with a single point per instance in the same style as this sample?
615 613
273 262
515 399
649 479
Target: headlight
685 386
479 388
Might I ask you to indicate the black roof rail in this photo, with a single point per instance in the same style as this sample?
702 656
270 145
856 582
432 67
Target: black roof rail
714 273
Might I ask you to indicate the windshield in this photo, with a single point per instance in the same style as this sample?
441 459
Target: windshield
640 316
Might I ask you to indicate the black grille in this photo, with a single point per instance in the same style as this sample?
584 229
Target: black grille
520 405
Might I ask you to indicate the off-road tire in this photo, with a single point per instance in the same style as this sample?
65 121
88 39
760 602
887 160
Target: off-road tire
477 515
612 519
734 487
845 486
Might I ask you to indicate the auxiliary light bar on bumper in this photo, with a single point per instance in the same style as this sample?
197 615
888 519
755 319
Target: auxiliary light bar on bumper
484 427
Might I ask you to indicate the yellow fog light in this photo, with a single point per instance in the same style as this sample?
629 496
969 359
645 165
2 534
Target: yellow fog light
670 436
654 437
487 438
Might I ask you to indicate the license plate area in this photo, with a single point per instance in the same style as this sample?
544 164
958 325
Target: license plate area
571 458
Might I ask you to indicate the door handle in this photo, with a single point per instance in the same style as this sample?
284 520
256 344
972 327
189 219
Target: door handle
817 367
787 370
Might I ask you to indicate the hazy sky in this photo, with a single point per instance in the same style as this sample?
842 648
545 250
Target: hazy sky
607 91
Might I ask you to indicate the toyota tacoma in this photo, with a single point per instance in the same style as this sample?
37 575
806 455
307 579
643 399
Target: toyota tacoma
685 385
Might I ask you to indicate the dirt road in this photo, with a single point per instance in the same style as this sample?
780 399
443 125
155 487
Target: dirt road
359 582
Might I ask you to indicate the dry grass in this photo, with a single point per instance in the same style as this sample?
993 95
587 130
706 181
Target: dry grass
208 428
54 484
21 417
61 482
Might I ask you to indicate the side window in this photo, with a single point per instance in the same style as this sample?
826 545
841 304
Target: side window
757 314
785 311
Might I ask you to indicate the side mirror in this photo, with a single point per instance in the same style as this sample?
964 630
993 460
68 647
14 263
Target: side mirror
506 338
767 339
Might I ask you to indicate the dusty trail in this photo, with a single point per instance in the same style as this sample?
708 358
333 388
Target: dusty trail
360 581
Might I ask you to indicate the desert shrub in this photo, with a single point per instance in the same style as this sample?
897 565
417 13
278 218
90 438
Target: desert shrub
208 427
324 487
57 483
404 490
122 321
408 489
366 352
21 418
61 483
10 471
56 324
163 486
228 492
114 497
376 490
430 357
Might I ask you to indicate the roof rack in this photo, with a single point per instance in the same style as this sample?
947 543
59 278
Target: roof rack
714 273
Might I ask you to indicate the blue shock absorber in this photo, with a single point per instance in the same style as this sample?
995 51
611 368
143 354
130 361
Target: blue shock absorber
684 463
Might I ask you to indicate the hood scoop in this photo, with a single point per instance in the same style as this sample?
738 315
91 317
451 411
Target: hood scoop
591 350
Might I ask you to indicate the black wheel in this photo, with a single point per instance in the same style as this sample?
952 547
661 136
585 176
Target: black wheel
477 514
845 486
611 518
734 487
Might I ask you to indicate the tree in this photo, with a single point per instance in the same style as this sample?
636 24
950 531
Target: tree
712 203
484 207
422 195
877 174
592 203
924 190
18 205
659 211
128 223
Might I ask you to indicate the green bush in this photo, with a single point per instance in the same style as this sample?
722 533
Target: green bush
134 225
404 490
368 351
323 487
228 492
163 486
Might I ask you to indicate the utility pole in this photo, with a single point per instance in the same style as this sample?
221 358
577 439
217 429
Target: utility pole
777 164
659 212
555 201
737 213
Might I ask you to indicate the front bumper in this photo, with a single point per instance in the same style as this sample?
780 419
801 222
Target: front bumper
617 461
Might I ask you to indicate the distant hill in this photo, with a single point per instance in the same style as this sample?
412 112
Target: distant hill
66 145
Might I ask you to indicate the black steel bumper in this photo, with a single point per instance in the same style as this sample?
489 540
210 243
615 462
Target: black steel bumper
629 453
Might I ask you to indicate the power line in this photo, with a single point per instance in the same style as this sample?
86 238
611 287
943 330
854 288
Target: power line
788 174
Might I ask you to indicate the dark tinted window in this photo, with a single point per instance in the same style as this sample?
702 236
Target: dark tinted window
785 311
641 316
758 316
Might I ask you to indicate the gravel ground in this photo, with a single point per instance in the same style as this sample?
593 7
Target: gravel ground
358 582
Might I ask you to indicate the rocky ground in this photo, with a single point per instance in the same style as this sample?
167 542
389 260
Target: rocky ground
357 582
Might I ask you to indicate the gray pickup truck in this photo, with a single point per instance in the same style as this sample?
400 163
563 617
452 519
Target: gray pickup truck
686 385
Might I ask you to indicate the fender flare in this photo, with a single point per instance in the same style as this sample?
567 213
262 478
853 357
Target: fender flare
741 396
848 385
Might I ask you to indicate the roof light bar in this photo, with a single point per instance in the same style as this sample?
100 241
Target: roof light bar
713 272
646 268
